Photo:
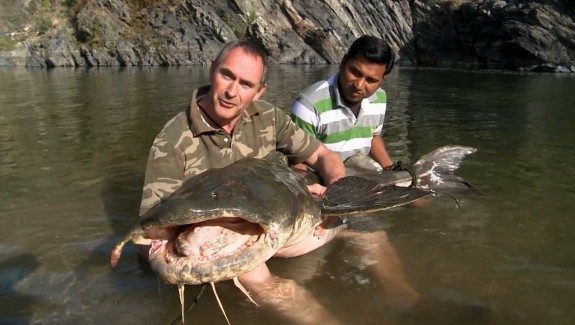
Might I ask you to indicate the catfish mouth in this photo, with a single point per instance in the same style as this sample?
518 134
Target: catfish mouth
212 250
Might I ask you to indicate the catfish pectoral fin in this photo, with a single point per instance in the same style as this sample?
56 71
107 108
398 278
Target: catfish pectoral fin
354 195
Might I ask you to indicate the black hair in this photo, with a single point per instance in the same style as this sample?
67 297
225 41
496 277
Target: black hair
374 49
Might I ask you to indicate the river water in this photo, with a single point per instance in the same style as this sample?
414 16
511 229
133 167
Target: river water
73 147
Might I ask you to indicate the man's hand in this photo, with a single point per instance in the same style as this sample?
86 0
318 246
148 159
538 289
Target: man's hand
327 163
316 189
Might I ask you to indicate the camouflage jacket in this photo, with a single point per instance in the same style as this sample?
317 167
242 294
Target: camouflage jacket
188 145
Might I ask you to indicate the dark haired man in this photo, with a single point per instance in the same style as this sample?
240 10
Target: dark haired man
346 111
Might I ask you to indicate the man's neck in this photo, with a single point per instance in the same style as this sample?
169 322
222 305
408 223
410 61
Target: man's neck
354 107
206 109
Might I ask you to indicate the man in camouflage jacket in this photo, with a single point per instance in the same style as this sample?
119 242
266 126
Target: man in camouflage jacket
224 123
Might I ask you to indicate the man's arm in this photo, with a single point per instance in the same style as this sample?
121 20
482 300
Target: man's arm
327 163
285 297
304 115
294 140
379 152
164 175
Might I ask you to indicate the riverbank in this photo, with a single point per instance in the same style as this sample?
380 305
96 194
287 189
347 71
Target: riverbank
487 34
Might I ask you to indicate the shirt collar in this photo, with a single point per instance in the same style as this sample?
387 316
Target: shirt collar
334 81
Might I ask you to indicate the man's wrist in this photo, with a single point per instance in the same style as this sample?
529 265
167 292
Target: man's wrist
389 167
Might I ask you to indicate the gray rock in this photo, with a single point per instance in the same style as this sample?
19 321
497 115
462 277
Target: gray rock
490 34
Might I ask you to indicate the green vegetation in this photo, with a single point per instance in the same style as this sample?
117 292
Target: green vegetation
43 25
251 17
68 3
74 7
7 44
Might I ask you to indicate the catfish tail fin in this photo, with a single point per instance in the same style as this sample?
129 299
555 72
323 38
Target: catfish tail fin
436 170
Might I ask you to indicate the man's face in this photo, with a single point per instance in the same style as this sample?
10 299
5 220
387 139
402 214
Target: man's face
359 78
235 83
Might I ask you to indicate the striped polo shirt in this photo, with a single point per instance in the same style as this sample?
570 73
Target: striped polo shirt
320 111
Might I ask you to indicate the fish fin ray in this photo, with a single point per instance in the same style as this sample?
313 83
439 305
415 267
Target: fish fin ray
220 302
355 195
181 288
243 290
439 167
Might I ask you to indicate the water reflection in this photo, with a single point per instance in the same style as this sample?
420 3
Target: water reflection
73 147
16 271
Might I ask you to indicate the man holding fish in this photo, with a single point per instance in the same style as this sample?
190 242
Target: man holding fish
225 123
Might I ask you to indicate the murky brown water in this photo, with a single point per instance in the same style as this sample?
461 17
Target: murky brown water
73 146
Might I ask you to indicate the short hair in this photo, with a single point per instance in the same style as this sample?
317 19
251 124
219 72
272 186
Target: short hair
248 47
374 49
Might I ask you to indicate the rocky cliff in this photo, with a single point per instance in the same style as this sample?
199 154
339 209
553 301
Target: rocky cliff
485 34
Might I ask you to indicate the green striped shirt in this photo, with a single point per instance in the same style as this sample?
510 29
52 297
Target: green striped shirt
320 111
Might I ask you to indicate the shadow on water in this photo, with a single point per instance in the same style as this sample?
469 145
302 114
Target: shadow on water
18 306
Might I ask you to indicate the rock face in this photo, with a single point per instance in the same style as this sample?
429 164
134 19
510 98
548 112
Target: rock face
533 35
496 34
